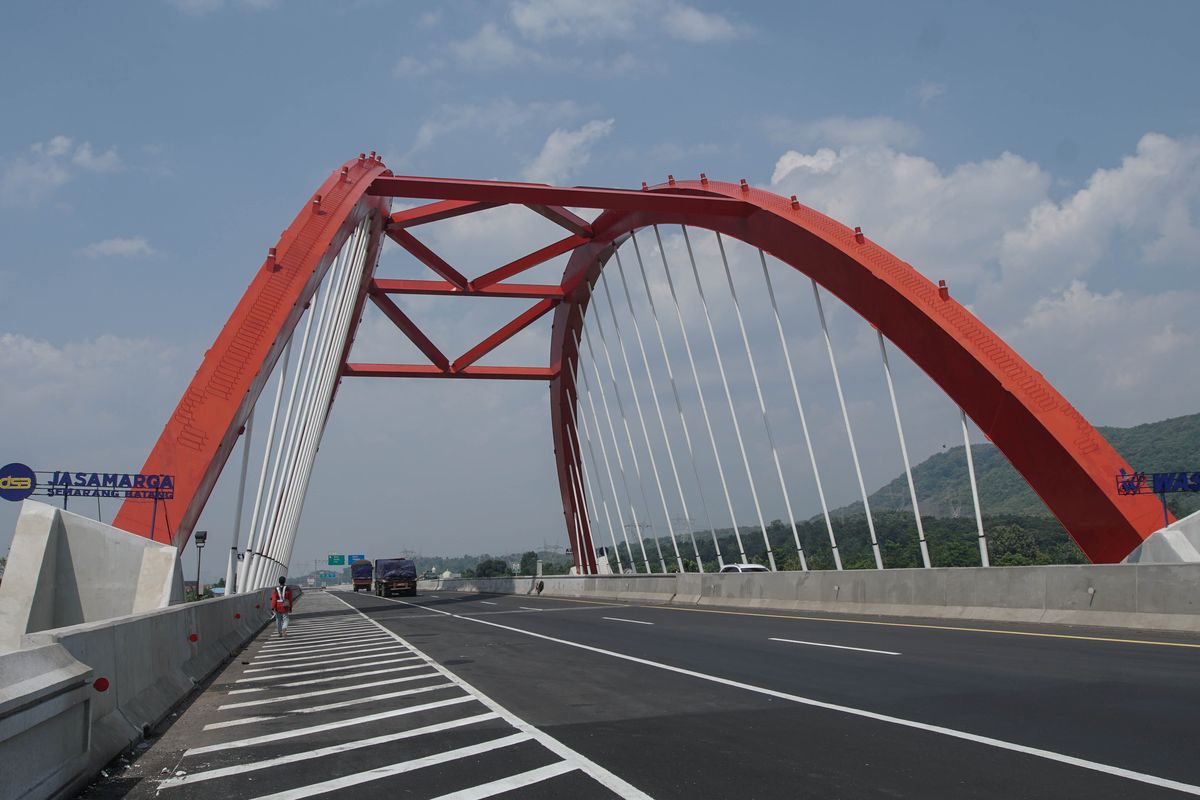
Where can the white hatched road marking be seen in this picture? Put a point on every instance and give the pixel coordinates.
(836, 646)
(395, 769)
(284, 675)
(291, 758)
(508, 784)
(310, 662)
(212, 726)
(327, 726)
(317, 643)
(336, 690)
(634, 621)
(319, 652)
(598, 773)
(488, 603)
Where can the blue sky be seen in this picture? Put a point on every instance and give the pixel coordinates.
(1041, 157)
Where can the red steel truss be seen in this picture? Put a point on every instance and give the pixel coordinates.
(1058, 452)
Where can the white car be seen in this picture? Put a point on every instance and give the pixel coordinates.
(744, 568)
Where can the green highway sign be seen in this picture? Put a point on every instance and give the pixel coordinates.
(337, 559)
(328, 575)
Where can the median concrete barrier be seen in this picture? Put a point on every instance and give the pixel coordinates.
(105, 684)
(1139, 596)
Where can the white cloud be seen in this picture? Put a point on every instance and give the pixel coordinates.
(681, 21)
(499, 117)
(543, 19)
(928, 92)
(125, 247)
(1152, 197)
(198, 8)
(565, 152)
(490, 48)
(839, 131)
(587, 20)
(410, 67)
(32, 177)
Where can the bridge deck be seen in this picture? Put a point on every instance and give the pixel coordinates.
(679, 703)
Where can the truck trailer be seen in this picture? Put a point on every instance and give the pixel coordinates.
(361, 575)
(395, 576)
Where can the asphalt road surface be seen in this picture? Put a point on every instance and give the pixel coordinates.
(472, 696)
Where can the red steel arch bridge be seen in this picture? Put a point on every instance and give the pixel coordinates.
(298, 319)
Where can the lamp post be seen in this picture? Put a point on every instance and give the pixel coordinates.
(201, 537)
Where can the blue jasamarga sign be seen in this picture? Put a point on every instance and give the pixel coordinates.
(17, 481)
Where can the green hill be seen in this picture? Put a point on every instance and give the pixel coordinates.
(943, 489)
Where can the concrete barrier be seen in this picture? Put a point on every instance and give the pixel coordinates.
(60, 723)
(1139, 596)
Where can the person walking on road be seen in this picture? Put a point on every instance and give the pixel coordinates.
(281, 604)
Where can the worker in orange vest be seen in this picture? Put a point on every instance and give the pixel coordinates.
(281, 604)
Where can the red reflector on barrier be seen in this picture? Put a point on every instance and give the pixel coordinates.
(237, 616)
(100, 684)
(193, 637)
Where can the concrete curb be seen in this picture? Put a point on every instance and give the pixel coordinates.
(1162, 597)
(150, 661)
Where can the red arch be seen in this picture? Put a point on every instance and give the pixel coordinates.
(1064, 459)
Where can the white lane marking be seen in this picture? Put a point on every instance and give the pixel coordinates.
(326, 726)
(317, 641)
(313, 652)
(527, 608)
(581, 762)
(1083, 763)
(313, 661)
(508, 784)
(355, 779)
(386, 696)
(212, 726)
(488, 603)
(275, 676)
(335, 690)
(351, 676)
(320, 752)
(634, 621)
(836, 646)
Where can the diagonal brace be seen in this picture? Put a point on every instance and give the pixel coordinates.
(410, 329)
(522, 321)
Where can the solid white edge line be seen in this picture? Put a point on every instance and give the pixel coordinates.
(355, 779)
(237, 769)
(1095, 766)
(502, 785)
(527, 608)
(608, 779)
(634, 621)
(835, 646)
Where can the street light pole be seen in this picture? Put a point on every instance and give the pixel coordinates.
(201, 538)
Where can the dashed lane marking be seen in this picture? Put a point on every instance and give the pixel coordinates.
(634, 621)
(836, 646)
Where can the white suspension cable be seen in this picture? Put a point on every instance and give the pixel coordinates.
(267, 522)
(318, 410)
(637, 527)
(637, 331)
(983, 548)
(578, 534)
(837, 382)
(912, 489)
(604, 453)
(230, 585)
(812, 456)
(592, 454)
(699, 393)
(737, 428)
(762, 406)
(585, 483)
(637, 469)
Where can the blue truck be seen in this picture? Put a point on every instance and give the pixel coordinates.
(361, 575)
(395, 576)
